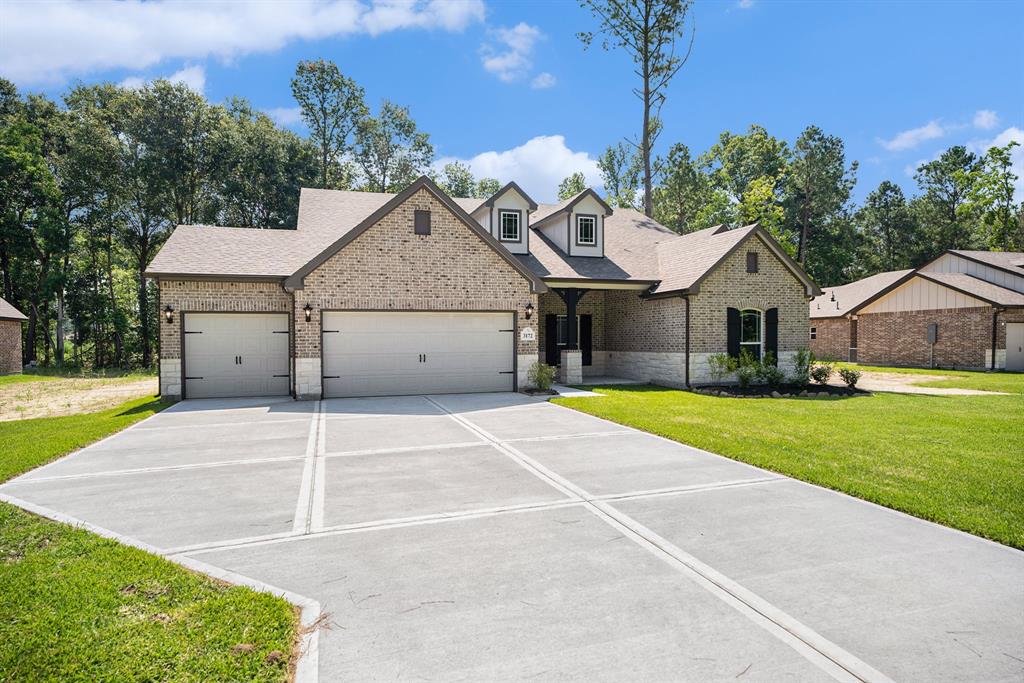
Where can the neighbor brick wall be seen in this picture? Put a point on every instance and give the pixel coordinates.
(901, 338)
(10, 346)
(833, 342)
(731, 286)
(390, 268)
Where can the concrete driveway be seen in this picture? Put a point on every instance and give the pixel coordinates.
(496, 537)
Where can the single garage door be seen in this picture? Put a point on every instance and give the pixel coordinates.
(393, 354)
(236, 354)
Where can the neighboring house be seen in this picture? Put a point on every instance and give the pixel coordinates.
(964, 309)
(380, 294)
(10, 338)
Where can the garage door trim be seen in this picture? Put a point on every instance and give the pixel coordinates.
(515, 333)
(181, 342)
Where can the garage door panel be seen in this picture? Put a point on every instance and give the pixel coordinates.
(244, 354)
(395, 353)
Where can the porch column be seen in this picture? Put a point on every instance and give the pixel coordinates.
(571, 297)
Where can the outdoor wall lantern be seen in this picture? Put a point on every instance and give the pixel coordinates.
(169, 314)
(308, 310)
(529, 310)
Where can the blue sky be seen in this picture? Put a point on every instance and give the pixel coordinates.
(508, 87)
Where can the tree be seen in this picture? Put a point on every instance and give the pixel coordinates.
(457, 180)
(761, 205)
(685, 199)
(889, 228)
(571, 186)
(992, 191)
(648, 30)
(620, 174)
(486, 187)
(949, 216)
(389, 149)
(817, 184)
(735, 161)
(332, 106)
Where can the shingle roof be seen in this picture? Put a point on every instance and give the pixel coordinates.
(973, 286)
(687, 258)
(546, 211)
(850, 296)
(9, 312)
(1007, 260)
(208, 250)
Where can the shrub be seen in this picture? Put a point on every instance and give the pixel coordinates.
(821, 372)
(721, 365)
(803, 360)
(747, 369)
(850, 376)
(768, 371)
(542, 375)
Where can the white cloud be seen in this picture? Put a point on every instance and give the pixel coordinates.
(986, 119)
(285, 116)
(543, 80)
(52, 41)
(514, 58)
(538, 166)
(910, 139)
(192, 76)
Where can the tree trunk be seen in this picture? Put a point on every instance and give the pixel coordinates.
(147, 352)
(59, 347)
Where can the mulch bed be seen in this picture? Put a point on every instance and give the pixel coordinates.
(781, 391)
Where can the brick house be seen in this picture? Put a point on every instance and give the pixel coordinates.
(10, 338)
(419, 292)
(964, 309)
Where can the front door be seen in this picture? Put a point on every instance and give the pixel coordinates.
(1015, 346)
(556, 335)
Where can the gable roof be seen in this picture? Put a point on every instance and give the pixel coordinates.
(546, 211)
(295, 280)
(511, 185)
(1010, 261)
(9, 312)
(854, 295)
(235, 253)
(988, 292)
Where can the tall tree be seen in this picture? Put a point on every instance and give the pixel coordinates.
(685, 199)
(457, 180)
(992, 190)
(818, 184)
(760, 204)
(889, 228)
(332, 106)
(390, 150)
(571, 186)
(620, 175)
(486, 187)
(648, 30)
(735, 161)
(949, 215)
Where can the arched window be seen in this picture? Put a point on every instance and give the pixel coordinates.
(752, 332)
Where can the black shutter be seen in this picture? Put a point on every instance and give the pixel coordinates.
(551, 339)
(771, 332)
(586, 330)
(732, 325)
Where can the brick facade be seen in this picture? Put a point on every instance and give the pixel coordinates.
(832, 340)
(900, 338)
(10, 346)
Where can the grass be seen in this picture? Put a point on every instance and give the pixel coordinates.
(75, 606)
(1008, 382)
(955, 460)
(22, 378)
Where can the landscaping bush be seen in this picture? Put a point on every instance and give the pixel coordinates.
(768, 371)
(721, 365)
(821, 372)
(803, 360)
(850, 376)
(747, 369)
(542, 375)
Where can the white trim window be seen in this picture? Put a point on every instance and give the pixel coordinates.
(752, 332)
(509, 222)
(814, 333)
(586, 231)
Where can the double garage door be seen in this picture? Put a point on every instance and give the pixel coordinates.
(364, 353)
(392, 353)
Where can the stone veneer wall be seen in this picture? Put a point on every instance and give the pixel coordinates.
(646, 338)
(10, 346)
(389, 267)
(208, 297)
(964, 337)
(833, 338)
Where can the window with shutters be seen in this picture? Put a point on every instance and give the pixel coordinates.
(563, 330)
(752, 332)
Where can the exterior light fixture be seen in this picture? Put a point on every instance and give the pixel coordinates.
(308, 310)
(169, 314)
(833, 296)
(529, 310)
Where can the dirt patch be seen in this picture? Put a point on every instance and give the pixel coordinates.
(905, 383)
(70, 396)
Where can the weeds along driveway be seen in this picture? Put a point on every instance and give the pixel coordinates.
(496, 537)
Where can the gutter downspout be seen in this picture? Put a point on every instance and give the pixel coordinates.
(995, 328)
(686, 298)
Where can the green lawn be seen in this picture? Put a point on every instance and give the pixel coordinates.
(955, 460)
(75, 606)
(21, 378)
(1009, 382)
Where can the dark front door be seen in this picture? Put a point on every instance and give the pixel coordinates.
(555, 338)
(551, 356)
(586, 334)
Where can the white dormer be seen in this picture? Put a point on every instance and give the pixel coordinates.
(506, 215)
(577, 224)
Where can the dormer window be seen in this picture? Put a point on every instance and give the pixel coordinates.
(586, 231)
(509, 222)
